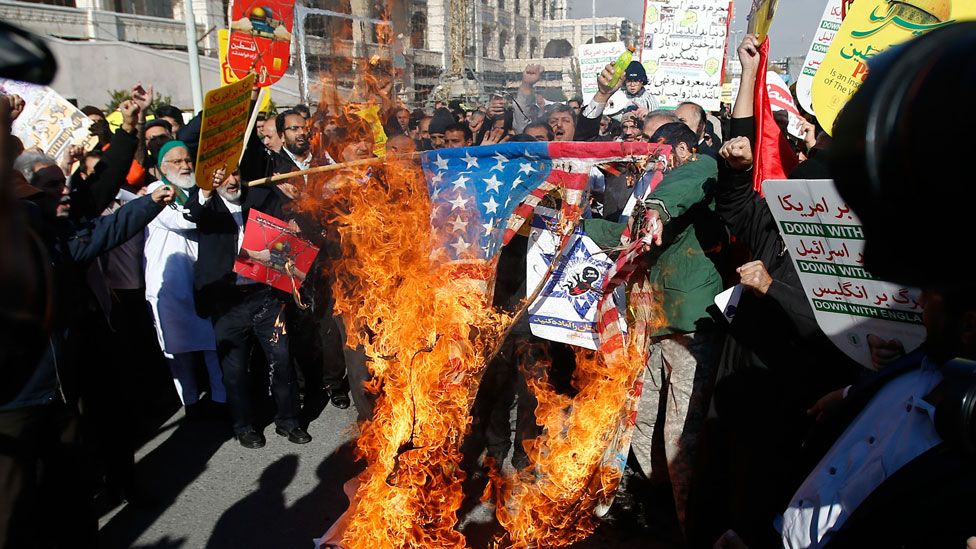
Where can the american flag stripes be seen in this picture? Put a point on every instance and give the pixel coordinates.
(482, 195)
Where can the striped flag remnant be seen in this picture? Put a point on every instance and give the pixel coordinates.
(481, 196)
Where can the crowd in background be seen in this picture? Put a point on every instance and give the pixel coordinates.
(133, 246)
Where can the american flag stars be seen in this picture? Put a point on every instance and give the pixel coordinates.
(474, 190)
(493, 184)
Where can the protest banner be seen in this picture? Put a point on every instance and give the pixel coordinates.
(826, 30)
(49, 122)
(780, 99)
(273, 254)
(227, 75)
(761, 18)
(565, 310)
(871, 27)
(370, 113)
(683, 50)
(223, 129)
(592, 59)
(260, 39)
(826, 243)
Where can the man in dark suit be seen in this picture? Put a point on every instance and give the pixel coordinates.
(316, 343)
(296, 149)
(243, 311)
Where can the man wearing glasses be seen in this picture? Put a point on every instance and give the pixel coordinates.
(295, 153)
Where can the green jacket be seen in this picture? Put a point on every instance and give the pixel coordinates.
(685, 280)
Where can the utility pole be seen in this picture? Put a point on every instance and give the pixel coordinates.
(479, 44)
(193, 55)
(593, 17)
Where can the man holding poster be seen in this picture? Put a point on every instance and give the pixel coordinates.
(889, 462)
(245, 313)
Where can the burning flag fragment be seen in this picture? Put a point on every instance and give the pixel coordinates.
(419, 247)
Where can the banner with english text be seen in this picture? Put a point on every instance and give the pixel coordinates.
(827, 28)
(826, 243)
(592, 58)
(869, 28)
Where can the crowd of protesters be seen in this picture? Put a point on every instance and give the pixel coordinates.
(128, 242)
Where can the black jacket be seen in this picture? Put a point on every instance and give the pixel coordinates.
(68, 249)
(927, 503)
(214, 280)
(775, 325)
(90, 197)
(257, 161)
(588, 129)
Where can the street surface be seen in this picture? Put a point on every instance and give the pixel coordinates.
(206, 491)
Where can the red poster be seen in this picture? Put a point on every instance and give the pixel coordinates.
(260, 38)
(273, 254)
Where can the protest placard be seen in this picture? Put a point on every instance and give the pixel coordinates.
(260, 39)
(822, 38)
(780, 99)
(826, 243)
(565, 310)
(761, 18)
(227, 75)
(683, 50)
(49, 122)
(273, 254)
(592, 59)
(223, 129)
(871, 27)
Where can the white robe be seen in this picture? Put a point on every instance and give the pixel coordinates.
(170, 252)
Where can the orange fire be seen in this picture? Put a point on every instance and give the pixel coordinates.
(426, 332)
(427, 329)
(577, 461)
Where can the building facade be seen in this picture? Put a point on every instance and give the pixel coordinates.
(497, 39)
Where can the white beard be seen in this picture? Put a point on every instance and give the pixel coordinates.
(185, 182)
(232, 197)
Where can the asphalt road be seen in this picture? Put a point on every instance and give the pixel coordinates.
(206, 491)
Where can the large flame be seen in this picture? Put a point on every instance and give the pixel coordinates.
(427, 330)
(576, 461)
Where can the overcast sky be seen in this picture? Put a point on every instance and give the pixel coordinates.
(791, 33)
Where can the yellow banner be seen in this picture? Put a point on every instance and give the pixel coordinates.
(371, 114)
(227, 75)
(222, 130)
(871, 27)
(761, 18)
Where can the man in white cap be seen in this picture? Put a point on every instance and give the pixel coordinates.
(170, 252)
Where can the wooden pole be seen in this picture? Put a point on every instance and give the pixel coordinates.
(329, 168)
(524, 308)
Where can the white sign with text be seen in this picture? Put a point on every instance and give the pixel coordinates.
(592, 59)
(822, 37)
(826, 242)
(683, 50)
